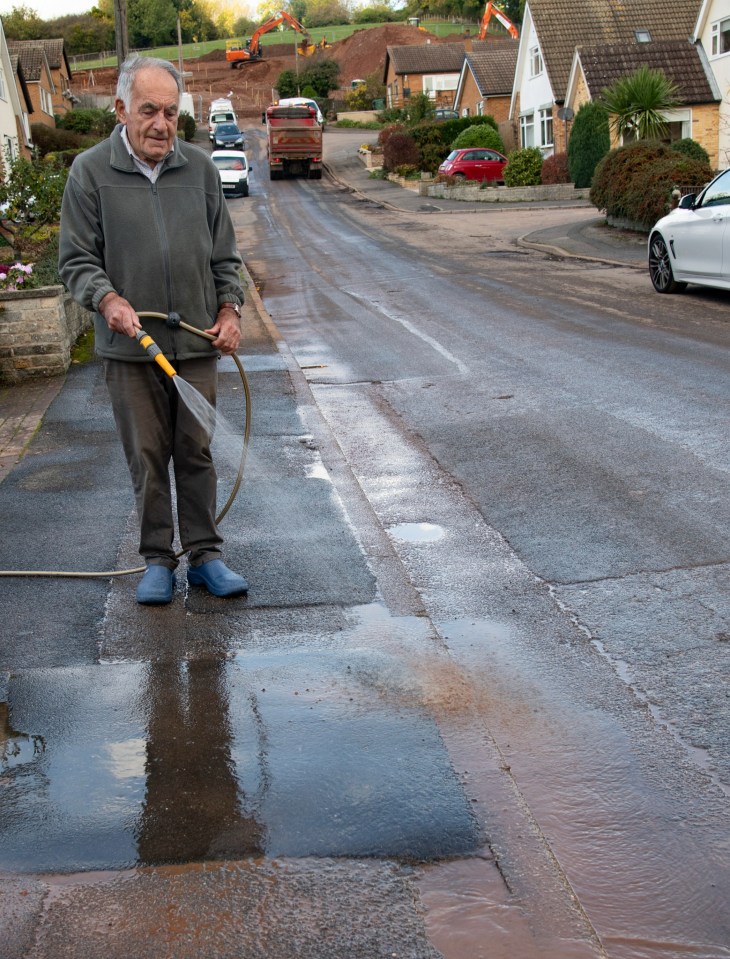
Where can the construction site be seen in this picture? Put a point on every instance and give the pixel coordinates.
(250, 87)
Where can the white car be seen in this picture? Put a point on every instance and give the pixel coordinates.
(233, 168)
(692, 243)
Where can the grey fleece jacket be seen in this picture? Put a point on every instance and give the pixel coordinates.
(167, 246)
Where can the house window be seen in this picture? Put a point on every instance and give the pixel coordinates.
(439, 83)
(545, 116)
(2, 85)
(720, 37)
(46, 102)
(535, 61)
(527, 130)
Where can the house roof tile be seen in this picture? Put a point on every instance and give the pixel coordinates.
(494, 70)
(427, 58)
(679, 59)
(562, 25)
(32, 58)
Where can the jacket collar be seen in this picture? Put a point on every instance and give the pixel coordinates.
(121, 159)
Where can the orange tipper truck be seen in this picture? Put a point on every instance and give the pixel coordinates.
(294, 141)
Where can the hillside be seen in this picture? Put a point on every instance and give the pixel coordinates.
(358, 55)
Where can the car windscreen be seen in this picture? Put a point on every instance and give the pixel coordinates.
(230, 163)
(227, 129)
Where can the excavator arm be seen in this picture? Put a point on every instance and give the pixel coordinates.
(491, 10)
(237, 54)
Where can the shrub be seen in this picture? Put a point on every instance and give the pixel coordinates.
(555, 169)
(523, 167)
(635, 182)
(589, 142)
(400, 149)
(691, 148)
(49, 140)
(479, 135)
(187, 126)
(387, 132)
(86, 120)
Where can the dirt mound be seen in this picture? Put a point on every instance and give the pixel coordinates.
(219, 54)
(250, 86)
(363, 52)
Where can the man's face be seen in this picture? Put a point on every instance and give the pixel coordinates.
(151, 120)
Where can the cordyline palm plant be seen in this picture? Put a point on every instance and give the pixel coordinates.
(636, 103)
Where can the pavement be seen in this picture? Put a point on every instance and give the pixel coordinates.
(574, 235)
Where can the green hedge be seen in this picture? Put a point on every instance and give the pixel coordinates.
(635, 182)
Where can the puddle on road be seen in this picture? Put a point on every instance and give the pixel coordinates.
(290, 752)
(417, 532)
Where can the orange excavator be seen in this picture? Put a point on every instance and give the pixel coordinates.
(240, 52)
(492, 10)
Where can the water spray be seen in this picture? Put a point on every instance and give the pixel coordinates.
(147, 343)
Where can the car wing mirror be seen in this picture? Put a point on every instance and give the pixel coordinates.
(687, 201)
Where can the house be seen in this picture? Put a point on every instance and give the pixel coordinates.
(34, 64)
(430, 68)
(60, 72)
(15, 105)
(684, 63)
(712, 31)
(551, 31)
(486, 81)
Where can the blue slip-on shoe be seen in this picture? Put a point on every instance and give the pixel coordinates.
(217, 578)
(156, 586)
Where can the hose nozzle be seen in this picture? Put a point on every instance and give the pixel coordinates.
(147, 343)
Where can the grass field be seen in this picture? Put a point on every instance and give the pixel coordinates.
(331, 34)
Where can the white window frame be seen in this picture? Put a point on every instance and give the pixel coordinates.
(718, 36)
(527, 130)
(433, 83)
(46, 102)
(3, 95)
(535, 58)
(545, 122)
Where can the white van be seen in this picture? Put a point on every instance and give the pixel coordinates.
(302, 102)
(220, 111)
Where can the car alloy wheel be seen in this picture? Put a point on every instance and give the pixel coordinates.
(660, 269)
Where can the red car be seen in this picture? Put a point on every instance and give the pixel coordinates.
(474, 163)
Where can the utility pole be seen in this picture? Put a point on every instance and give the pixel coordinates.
(121, 33)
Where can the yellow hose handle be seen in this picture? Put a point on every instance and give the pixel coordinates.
(147, 343)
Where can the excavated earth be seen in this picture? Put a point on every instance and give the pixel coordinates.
(250, 87)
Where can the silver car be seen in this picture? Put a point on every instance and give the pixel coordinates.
(692, 243)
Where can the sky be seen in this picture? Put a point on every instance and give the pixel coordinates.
(48, 9)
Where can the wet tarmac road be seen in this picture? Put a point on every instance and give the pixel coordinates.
(406, 741)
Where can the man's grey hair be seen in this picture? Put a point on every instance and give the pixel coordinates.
(134, 65)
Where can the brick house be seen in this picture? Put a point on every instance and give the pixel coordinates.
(430, 68)
(551, 31)
(485, 84)
(37, 72)
(60, 72)
(712, 30)
(684, 64)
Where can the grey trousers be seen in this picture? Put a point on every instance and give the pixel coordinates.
(157, 428)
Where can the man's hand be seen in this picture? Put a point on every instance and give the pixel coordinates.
(119, 315)
(226, 330)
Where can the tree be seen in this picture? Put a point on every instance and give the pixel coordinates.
(637, 103)
(322, 13)
(589, 142)
(30, 198)
(23, 23)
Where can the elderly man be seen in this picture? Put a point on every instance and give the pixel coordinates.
(145, 227)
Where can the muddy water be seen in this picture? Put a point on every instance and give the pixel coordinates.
(642, 844)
